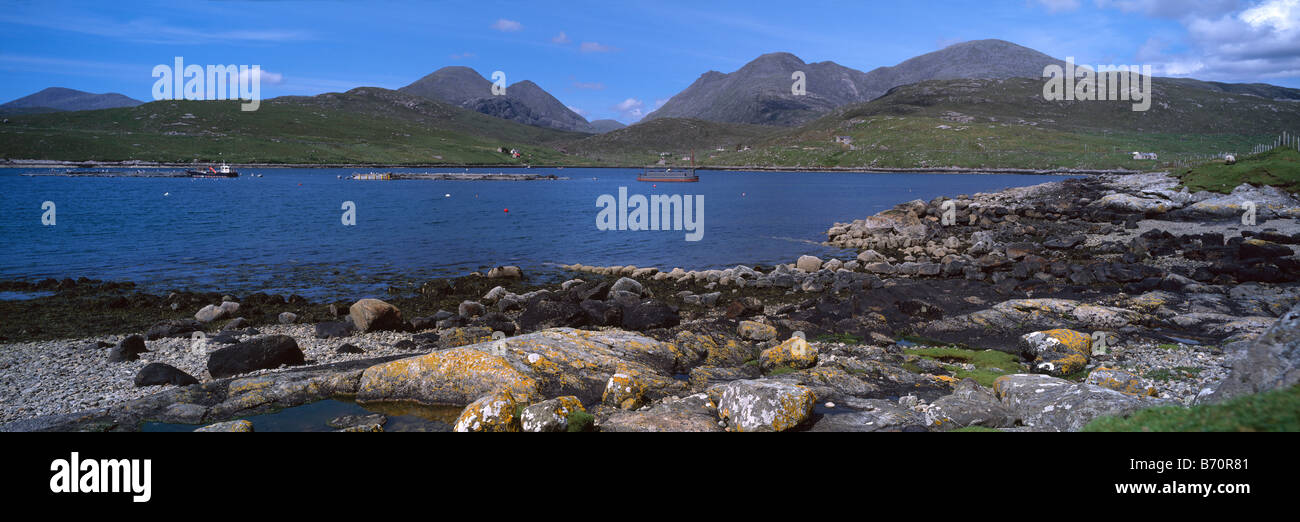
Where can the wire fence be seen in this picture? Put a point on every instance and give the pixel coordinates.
(1285, 140)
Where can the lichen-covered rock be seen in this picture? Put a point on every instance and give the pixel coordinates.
(533, 367)
(764, 406)
(794, 353)
(625, 389)
(464, 336)
(550, 415)
(1057, 352)
(369, 315)
(492, 413)
(756, 331)
(1121, 381)
(969, 405)
(1045, 403)
(455, 376)
(236, 426)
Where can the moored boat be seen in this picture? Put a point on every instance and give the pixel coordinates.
(224, 171)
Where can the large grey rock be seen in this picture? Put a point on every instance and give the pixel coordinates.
(210, 313)
(626, 284)
(694, 413)
(765, 406)
(872, 415)
(969, 405)
(1045, 403)
(1269, 362)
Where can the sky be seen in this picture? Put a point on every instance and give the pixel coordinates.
(613, 60)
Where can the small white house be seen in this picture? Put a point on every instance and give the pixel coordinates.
(1145, 156)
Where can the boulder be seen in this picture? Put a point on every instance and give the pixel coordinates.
(1271, 361)
(808, 263)
(695, 413)
(551, 415)
(469, 309)
(154, 374)
(369, 315)
(505, 272)
(756, 331)
(764, 406)
(1057, 352)
(650, 315)
(210, 313)
(129, 349)
(794, 353)
(868, 415)
(262, 353)
(969, 405)
(626, 284)
(1045, 403)
(494, 412)
(173, 328)
(288, 318)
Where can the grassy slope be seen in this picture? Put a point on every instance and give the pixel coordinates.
(1277, 410)
(961, 123)
(1279, 168)
(365, 125)
(1007, 123)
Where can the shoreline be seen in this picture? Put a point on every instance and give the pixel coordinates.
(1178, 302)
(38, 164)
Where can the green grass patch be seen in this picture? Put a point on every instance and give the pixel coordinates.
(1169, 346)
(581, 421)
(1277, 410)
(1177, 373)
(1279, 168)
(989, 364)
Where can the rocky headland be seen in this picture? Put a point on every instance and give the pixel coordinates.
(1032, 309)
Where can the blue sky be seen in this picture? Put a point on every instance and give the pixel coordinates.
(614, 59)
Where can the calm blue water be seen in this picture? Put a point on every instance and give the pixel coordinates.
(282, 233)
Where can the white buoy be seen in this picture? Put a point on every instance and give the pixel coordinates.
(167, 193)
(446, 195)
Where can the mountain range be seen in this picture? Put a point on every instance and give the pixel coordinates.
(62, 99)
(524, 102)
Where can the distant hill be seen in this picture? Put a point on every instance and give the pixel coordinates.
(61, 99)
(760, 92)
(603, 126)
(524, 102)
(363, 125)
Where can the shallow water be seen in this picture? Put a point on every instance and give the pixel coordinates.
(283, 232)
(316, 416)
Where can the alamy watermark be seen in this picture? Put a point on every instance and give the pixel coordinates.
(656, 212)
(215, 82)
(1104, 83)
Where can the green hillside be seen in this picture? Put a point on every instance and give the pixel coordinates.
(364, 125)
(1007, 123)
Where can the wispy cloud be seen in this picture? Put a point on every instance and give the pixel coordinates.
(594, 47)
(561, 38)
(147, 30)
(589, 86)
(631, 109)
(508, 26)
(463, 56)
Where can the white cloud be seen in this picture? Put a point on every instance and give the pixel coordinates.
(595, 47)
(578, 111)
(264, 77)
(508, 26)
(1226, 40)
(561, 38)
(630, 109)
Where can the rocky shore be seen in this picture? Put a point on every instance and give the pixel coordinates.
(1031, 309)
